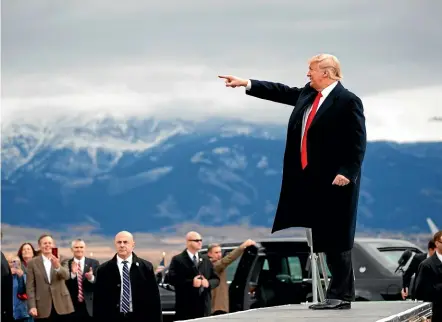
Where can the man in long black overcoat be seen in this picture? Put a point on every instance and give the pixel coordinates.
(325, 148)
(194, 278)
(125, 287)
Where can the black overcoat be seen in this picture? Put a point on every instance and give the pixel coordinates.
(336, 144)
(144, 290)
(428, 285)
(191, 302)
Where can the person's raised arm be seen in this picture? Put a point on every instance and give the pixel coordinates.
(275, 92)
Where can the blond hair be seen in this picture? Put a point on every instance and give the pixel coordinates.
(330, 64)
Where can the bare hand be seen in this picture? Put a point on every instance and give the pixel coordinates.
(33, 312)
(74, 267)
(340, 180)
(55, 262)
(233, 81)
(89, 274)
(197, 281)
(248, 243)
(19, 272)
(404, 293)
(205, 282)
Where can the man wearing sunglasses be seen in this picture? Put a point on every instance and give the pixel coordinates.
(194, 278)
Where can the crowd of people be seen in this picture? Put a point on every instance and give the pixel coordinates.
(38, 286)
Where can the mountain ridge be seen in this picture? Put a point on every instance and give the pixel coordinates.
(158, 173)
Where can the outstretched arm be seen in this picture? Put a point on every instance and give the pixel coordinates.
(270, 91)
(275, 92)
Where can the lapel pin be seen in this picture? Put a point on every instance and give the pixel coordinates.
(137, 264)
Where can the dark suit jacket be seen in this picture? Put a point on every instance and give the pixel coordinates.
(412, 270)
(146, 303)
(6, 287)
(336, 144)
(191, 302)
(88, 287)
(428, 285)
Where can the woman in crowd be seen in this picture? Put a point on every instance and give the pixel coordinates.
(26, 252)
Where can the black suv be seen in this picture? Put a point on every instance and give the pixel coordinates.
(277, 272)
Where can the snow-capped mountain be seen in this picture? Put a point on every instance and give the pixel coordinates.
(147, 174)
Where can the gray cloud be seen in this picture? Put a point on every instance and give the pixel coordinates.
(392, 41)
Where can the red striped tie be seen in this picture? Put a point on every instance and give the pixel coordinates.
(80, 284)
(307, 125)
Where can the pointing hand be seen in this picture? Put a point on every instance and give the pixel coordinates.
(233, 81)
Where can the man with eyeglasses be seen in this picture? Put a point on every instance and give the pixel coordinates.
(429, 279)
(194, 278)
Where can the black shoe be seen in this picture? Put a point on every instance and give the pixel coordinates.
(331, 304)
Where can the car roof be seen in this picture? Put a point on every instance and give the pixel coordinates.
(379, 242)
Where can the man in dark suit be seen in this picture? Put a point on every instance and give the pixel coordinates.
(125, 286)
(6, 287)
(193, 277)
(326, 142)
(82, 271)
(428, 285)
(412, 269)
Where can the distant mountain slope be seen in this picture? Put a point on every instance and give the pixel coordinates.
(149, 174)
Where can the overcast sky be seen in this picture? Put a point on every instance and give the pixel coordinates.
(147, 58)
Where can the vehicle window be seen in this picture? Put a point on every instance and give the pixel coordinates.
(295, 268)
(388, 257)
(265, 265)
(391, 258)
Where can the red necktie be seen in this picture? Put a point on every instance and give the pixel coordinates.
(80, 284)
(307, 125)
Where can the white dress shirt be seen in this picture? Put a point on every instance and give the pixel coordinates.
(48, 267)
(120, 268)
(191, 255)
(325, 92)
